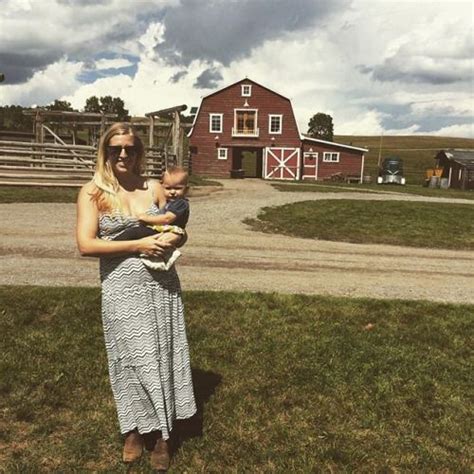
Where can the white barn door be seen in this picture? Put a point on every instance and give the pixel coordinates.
(281, 163)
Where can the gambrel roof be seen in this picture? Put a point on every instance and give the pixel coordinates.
(246, 80)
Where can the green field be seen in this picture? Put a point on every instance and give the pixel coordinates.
(10, 194)
(283, 384)
(416, 189)
(413, 224)
(417, 152)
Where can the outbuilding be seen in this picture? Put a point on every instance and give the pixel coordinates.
(458, 167)
(246, 129)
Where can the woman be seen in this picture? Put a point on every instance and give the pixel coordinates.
(142, 310)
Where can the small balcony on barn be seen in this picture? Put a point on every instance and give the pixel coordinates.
(245, 123)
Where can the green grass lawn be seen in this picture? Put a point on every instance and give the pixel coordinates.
(326, 187)
(413, 224)
(10, 194)
(283, 384)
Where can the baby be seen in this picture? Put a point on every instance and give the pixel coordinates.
(172, 219)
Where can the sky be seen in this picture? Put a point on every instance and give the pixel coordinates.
(393, 67)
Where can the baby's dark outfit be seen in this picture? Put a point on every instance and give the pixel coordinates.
(179, 207)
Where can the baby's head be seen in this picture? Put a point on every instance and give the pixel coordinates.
(175, 183)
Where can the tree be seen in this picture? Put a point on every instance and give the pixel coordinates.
(63, 105)
(320, 126)
(12, 118)
(92, 105)
(107, 105)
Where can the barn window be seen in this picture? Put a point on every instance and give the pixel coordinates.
(331, 157)
(222, 153)
(274, 123)
(215, 123)
(245, 123)
(246, 90)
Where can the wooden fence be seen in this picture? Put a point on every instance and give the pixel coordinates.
(48, 164)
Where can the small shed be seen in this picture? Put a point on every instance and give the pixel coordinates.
(458, 167)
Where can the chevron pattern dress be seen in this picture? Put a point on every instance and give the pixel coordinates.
(145, 338)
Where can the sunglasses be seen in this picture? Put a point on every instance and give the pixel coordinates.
(114, 151)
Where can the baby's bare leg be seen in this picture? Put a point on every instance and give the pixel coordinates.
(174, 239)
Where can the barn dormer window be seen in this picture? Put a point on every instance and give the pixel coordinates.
(245, 123)
(215, 123)
(275, 123)
(246, 90)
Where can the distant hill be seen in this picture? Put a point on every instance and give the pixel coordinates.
(417, 152)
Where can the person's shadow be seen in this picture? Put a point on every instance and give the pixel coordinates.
(205, 384)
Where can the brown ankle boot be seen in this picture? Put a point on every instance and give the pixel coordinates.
(133, 446)
(160, 456)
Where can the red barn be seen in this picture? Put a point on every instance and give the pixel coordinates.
(248, 129)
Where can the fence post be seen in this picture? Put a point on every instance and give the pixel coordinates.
(151, 132)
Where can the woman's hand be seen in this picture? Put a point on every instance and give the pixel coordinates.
(153, 246)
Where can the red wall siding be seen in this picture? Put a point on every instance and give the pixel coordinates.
(350, 161)
(204, 160)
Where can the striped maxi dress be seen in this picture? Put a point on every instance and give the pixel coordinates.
(145, 338)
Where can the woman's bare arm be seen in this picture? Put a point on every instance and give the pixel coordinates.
(88, 228)
(158, 193)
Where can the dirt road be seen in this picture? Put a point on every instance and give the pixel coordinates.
(37, 247)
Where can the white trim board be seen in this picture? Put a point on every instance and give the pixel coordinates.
(325, 142)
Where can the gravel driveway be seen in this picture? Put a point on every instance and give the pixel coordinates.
(37, 247)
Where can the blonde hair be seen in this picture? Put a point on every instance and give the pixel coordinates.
(105, 195)
(176, 171)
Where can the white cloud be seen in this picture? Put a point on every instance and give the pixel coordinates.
(437, 50)
(83, 30)
(365, 123)
(116, 86)
(150, 89)
(118, 63)
(57, 80)
(317, 68)
(465, 130)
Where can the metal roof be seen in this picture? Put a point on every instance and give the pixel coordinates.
(464, 157)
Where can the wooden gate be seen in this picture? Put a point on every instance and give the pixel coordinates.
(281, 163)
(50, 164)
